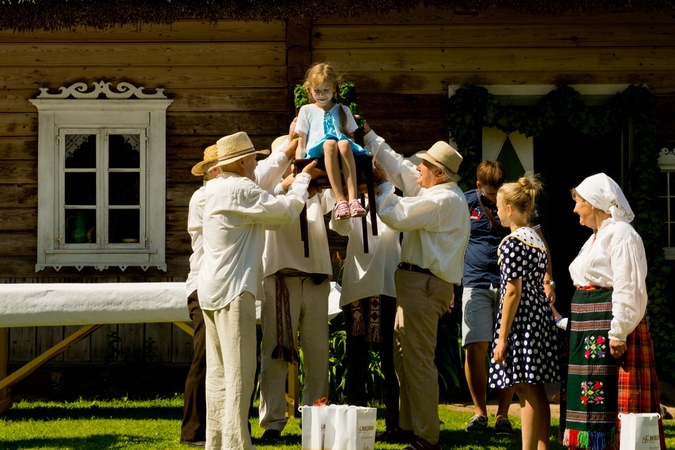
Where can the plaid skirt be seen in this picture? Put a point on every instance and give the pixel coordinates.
(598, 386)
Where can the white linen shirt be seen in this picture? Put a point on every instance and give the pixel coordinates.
(368, 274)
(267, 172)
(194, 228)
(285, 250)
(436, 220)
(236, 213)
(615, 257)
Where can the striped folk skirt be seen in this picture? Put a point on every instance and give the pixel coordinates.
(598, 386)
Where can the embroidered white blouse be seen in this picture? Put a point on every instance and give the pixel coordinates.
(615, 257)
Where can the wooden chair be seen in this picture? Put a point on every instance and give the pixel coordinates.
(364, 175)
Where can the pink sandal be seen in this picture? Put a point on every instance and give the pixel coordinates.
(356, 209)
(341, 210)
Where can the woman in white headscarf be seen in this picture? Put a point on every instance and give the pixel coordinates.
(611, 363)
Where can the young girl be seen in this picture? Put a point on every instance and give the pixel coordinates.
(525, 346)
(321, 127)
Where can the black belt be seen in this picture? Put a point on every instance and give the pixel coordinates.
(414, 268)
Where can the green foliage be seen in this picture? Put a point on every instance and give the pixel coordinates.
(473, 108)
(300, 96)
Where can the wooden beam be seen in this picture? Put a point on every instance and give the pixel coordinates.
(298, 54)
(185, 327)
(56, 350)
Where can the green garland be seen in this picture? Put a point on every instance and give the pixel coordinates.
(472, 108)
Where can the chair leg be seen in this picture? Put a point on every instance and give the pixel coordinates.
(364, 226)
(304, 235)
(371, 199)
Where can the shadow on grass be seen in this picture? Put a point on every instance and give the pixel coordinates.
(489, 439)
(99, 442)
(92, 412)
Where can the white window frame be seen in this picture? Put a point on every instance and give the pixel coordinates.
(125, 110)
(667, 164)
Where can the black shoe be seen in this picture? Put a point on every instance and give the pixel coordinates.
(503, 426)
(477, 423)
(396, 435)
(193, 443)
(270, 434)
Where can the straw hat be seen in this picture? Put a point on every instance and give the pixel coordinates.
(442, 155)
(210, 155)
(280, 143)
(234, 147)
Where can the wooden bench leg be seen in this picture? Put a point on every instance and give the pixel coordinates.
(185, 327)
(5, 400)
(56, 350)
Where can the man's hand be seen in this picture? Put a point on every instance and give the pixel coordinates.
(379, 175)
(291, 129)
(312, 170)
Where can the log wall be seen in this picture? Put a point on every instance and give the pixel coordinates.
(232, 76)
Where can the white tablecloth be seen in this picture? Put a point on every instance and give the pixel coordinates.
(35, 304)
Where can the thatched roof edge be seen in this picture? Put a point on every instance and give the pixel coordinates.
(26, 15)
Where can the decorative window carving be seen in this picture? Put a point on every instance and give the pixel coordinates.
(101, 177)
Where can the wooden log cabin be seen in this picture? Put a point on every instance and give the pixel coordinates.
(218, 69)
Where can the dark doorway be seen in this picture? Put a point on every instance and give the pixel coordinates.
(563, 156)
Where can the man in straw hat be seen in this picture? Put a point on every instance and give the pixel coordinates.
(435, 220)
(236, 213)
(193, 427)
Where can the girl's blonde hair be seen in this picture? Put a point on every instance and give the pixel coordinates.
(522, 193)
(315, 76)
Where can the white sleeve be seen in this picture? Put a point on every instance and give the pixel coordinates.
(401, 172)
(270, 170)
(629, 294)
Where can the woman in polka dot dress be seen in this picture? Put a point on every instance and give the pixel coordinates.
(525, 347)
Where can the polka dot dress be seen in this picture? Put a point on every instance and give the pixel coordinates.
(533, 346)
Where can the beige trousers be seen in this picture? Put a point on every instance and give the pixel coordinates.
(309, 315)
(230, 373)
(421, 300)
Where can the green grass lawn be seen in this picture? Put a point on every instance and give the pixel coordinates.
(155, 424)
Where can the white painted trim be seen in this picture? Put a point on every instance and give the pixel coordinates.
(78, 110)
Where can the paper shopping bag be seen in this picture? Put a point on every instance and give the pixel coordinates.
(313, 426)
(350, 428)
(640, 431)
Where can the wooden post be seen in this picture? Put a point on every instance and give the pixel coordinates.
(5, 400)
(298, 55)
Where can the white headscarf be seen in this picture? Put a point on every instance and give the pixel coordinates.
(603, 193)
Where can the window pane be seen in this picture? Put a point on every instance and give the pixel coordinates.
(124, 188)
(80, 226)
(80, 151)
(124, 226)
(663, 183)
(124, 151)
(80, 188)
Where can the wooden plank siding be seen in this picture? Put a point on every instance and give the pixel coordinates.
(222, 77)
(233, 76)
